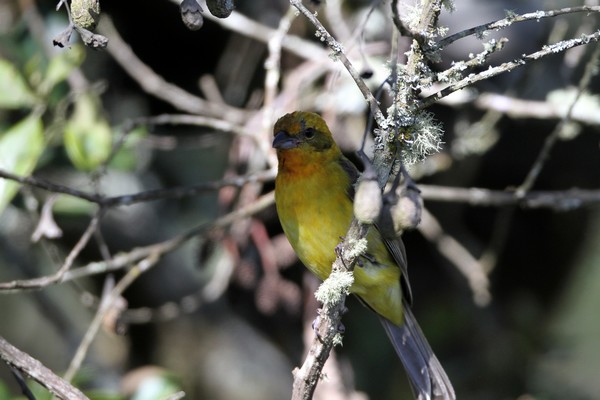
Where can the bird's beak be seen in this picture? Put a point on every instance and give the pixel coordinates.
(284, 141)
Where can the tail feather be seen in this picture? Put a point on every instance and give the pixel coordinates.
(426, 375)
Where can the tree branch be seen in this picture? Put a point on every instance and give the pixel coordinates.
(338, 53)
(509, 66)
(506, 22)
(156, 85)
(520, 108)
(123, 260)
(560, 200)
(38, 372)
(464, 261)
(105, 306)
(57, 277)
(590, 70)
(148, 195)
(333, 295)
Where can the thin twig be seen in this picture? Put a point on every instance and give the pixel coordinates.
(509, 66)
(506, 22)
(156, 85)
(217, 124)
(122, 260)
(22, 384)
(149, 195)
(403, 30)
(520, 108)
(37, 283)
(338, 52)
(336, 20)
(272, 76)
(239, 23)
(590, 70)
(142, 266)
(559, 200)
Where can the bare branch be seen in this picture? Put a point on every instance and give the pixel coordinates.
(217, 124)
(404, 31)
(506, 22)
(149, 195)
(156, 85)
(509, 66)
(106, 305)
(57, 277)
(38, 372)
(338, 52)
(272, 77)
(560, 200)
(123, 260)
(464, 261)
(590, 70)
(327, 326)
(185, 191)
(519, 108)
(239, 23)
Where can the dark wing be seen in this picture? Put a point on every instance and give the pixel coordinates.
(352, 172)
(397, 250)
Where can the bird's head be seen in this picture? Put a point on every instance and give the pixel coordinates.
(303, 132)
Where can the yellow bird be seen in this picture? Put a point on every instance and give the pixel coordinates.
(314, 191)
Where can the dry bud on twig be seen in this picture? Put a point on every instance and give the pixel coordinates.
(220, 8)
(191, 14)
(367, 201)
(401, 211)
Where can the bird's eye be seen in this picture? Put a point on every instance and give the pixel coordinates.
(309, 133)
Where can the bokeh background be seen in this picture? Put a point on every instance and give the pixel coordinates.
(227, 314)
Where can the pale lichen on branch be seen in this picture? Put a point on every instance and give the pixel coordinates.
(509, 66)
(511, 19)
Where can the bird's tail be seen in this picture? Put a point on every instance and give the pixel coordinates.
(427, 377)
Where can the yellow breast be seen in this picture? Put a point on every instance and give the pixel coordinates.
(315, 214)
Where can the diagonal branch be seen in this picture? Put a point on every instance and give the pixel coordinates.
(38, 372)
(338, 53)
(67, 264)
(509, 66)
(156, 85)
(505, 22)
(123, 260)
(590, 70)
(107, 304)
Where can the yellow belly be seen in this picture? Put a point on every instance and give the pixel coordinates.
(315, 217)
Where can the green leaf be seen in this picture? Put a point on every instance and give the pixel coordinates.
(87, 135)
(60, 67)
(129, 155)
(14, 92)
(20, 149)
